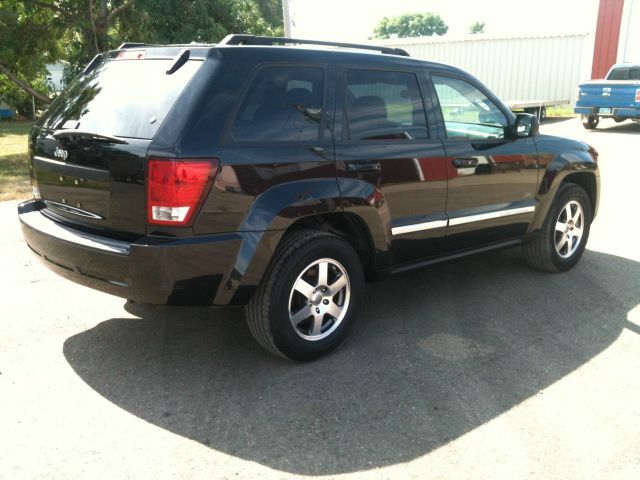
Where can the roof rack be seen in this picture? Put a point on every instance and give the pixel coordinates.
(236, 39)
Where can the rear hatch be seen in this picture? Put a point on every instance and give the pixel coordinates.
(88, 152)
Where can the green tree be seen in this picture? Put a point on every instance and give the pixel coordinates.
(272, 13)
(411, 25)
(177, 21)
(476, 27)
(28, 40)
(34, 33)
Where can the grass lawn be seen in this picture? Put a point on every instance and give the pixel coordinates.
(560, 111)
(14, 167)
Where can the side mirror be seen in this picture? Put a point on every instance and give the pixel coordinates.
(526, 125)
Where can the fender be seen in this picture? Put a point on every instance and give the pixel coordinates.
(576, 157)
(275, 210)
(367, 202)
(262, 228)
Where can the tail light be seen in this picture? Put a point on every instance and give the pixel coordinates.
(177, 188)
(638, 95)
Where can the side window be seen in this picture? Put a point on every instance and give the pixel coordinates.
(283, 104)
(467, 112)
(384, 105)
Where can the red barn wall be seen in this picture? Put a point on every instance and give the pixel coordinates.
(605, 50)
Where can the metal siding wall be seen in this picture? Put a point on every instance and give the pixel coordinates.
(629, 46)
(527, 68)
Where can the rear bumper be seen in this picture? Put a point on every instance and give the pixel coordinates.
(154, 270)
(632, 113)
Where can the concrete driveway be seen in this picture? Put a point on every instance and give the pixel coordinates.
(480, 368)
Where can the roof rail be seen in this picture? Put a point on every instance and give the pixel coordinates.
(238, 39)
(131, 45)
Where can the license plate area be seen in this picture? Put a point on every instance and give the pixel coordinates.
(72, 189)
(604, 111)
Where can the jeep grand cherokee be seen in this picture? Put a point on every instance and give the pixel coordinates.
(280, 174)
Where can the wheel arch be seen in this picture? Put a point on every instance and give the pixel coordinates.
(316, 205)
(348, 226)
(587, 181)
(578, 167)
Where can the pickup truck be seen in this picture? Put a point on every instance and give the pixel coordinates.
(617, 96)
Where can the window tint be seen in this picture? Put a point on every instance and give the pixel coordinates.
(624, 73)
(283, 104)
(383, 105)
(467, 112)
(127, 98)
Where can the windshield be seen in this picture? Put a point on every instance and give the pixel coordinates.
(125, 98)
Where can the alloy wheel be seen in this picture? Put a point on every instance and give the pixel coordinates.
(569, 229)
(319, 299)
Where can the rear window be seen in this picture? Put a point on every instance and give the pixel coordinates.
(126, 98)
(624, 73)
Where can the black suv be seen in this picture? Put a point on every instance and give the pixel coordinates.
(266, 173)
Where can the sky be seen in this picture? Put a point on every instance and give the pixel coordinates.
(354, 20)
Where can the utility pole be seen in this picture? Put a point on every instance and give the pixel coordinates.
(286, 17)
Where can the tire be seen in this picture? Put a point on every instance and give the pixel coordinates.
(324, 314)
(547, 251)
(590, 122)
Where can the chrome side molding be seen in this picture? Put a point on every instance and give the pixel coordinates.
(418, 227)
(490, 215)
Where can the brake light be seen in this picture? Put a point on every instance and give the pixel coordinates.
(177, 188)
(131, 55)
(638, 95)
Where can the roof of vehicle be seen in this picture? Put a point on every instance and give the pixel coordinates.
(625, 65)
(272, 48)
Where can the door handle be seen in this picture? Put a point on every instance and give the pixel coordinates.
(465, 162)
(358, 167)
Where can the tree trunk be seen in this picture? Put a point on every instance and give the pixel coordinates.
(102, 26)
(101, 19)
(23, 85)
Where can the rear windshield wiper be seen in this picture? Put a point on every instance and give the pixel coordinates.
(73, 133)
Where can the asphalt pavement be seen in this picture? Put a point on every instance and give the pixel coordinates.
(475, 369)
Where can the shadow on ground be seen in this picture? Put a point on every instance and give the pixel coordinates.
(552, 120)
(436, 353)
(609, 126)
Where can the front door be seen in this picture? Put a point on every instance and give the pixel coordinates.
(492, 178)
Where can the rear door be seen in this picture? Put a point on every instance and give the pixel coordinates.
(386, 153)
(492, 179)
(278, 147)
(93, 175)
